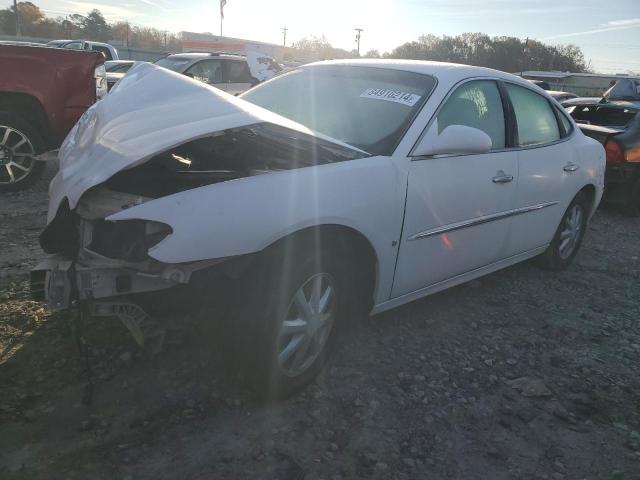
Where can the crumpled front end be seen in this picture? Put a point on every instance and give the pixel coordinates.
(105, 265)
(152, 195)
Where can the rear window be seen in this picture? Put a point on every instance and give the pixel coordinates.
(604, 116)
(175, 64)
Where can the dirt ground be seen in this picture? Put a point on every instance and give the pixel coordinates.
(522, 374)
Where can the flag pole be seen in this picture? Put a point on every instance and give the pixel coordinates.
(222, 4)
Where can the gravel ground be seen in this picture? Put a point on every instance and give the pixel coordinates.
(522, 374)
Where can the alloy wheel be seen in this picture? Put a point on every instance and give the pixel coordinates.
(570, 234)
(307, 325)
(16, 155)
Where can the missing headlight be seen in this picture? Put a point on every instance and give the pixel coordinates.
(127, 240)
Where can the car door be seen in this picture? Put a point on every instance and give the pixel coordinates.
(208, 71)
(457, 208)
(548, 176)
(236, 76)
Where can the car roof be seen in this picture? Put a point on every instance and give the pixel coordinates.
(199, 55)
(447, 72)
(61, 41)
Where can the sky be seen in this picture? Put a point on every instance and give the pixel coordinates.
(607, 32)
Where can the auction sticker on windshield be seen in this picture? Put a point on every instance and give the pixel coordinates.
(408, 99)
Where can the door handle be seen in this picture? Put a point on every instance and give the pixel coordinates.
(502, 177)
(571, 167)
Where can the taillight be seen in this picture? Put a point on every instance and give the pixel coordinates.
(632, 155)
(614, 152)
(100, 76)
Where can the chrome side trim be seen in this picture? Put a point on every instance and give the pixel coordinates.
(479, 221)
(457, 280)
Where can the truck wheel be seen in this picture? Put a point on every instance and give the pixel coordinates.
(568, 238)
(300, 298)
(19, 143)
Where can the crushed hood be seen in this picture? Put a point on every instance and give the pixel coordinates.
(149, 111)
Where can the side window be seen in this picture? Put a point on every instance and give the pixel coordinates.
(536, 121)
(476, 104)
(237, 72)
(103, 50)
(208, 71)
(74, 46)
(565, 124)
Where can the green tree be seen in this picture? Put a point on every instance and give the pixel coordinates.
(30, 17)
(314, 48)
(95, 27)
(509, 54)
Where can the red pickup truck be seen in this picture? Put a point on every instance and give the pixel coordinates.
(43, 93)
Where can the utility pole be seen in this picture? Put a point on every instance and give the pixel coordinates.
(284, 38)
(358, 34)
(127, 41)
(17, 14)
(525, 51)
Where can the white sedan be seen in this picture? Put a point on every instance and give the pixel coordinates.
(336, 189)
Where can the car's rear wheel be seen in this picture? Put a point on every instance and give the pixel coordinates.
(299, 296)
(19, 144)
(568, 237)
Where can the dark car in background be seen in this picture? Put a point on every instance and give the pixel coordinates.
(614, 120)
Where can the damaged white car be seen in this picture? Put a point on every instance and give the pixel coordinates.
(337, 188)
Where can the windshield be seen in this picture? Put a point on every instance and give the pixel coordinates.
(369, 108)
(176, 64)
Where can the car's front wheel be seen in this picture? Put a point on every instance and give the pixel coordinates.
(568, 237)
(300, 295)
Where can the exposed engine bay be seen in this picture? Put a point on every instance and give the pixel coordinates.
(98, 260)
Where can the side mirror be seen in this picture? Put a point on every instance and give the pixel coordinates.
(454, 140)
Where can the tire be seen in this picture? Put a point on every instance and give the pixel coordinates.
(19, 142)
(282, 283)
(559, 255)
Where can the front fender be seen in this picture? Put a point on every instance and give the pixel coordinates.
(246, 215)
